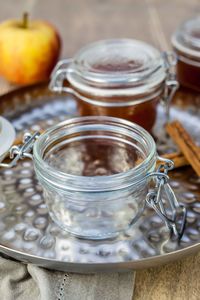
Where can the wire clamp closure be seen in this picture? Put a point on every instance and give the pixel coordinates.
(169, 209)
(18, 152)
(171, 83)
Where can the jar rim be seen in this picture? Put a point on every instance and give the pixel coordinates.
(109, 64)
(97, 183)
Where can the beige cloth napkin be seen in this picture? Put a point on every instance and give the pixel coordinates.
(29, 282)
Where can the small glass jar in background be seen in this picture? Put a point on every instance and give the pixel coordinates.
(119, 78)
(186, 43)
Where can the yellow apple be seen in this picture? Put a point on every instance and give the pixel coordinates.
(28, 50)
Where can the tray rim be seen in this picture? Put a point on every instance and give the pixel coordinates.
(89, 267)
(99, 267)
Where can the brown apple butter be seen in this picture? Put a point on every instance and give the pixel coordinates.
(143, 113)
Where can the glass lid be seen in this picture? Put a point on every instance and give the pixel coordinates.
(7, 137)
(187, 37)
(115, 62)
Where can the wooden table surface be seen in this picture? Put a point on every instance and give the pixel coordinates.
(80, 22)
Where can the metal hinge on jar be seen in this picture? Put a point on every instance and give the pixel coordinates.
(171, 83)
(169, 210)
(18, 152)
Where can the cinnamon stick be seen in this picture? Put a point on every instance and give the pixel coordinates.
(185, 143)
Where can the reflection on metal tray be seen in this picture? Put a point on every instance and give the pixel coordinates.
(27, 233)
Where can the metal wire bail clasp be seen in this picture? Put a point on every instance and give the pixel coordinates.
(169, 209)
(171, 83)
(22, 151)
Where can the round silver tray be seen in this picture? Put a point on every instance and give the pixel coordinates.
(26, 232)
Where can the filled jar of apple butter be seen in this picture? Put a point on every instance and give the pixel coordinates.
(186, 43)
(121, 78)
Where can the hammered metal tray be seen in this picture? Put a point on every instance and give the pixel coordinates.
(26, 232)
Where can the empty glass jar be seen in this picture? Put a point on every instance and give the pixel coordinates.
(93, 171)
(95, 174)
(186, 43)
(119, 78)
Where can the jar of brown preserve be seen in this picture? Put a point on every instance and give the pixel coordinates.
(186, 43)
(121, 78)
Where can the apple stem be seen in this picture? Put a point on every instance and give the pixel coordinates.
(25, 20)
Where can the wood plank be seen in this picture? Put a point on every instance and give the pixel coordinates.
(178, 280)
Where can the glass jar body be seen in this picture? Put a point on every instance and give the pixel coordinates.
(95, 206)
(96, 215)
(95, 174)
